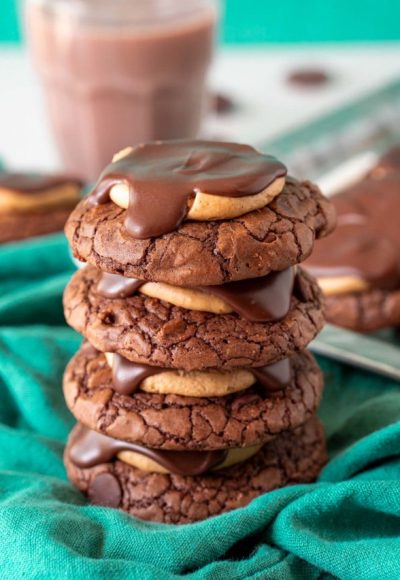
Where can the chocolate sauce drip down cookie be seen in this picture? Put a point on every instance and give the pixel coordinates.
(218, 236)
(193, 392)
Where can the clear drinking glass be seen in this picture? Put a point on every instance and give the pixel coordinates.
(120, 72)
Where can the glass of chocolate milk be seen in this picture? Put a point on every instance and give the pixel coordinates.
(120, 72)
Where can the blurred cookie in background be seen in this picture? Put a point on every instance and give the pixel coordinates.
(388, 163)
(358, 268)
(33, 204)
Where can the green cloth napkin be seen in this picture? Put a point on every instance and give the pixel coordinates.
(346, 525)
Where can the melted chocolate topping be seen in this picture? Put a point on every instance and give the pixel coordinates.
(274, 377)
(163, 176)
(259, 299)
(366, 242)
(115, 286)
(29, 183)
(128, 375)
(90, 448)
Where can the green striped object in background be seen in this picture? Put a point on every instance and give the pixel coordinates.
(256, 21)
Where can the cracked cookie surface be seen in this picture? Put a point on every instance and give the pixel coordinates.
(153, 332)
(272, 238)
(294, 457)
(365, 311)
(175, 422)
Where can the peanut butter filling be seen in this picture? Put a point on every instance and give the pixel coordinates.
(204, 206)
(20, 202)
(210, 383)
(144, 463)
(260, 300)
(337, 286)
(189, 298)
(207, 207)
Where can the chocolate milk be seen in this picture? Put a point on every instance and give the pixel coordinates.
(120, 72)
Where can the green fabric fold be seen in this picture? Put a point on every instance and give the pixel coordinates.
(346, 525)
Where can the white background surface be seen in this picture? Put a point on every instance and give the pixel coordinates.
(255, 78)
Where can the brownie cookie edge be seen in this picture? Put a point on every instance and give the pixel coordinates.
(295, 457)
(206, 253)
(243, 419)
(150, 331)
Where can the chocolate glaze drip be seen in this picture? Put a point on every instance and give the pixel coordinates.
(128, 375)
(115, 286)
(90, 448)
(163, 176)
(274, 377)
(366, 242)
(34, 183)
(259, 300)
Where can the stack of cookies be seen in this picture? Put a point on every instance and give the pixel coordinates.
(358, 268)
(193, 391)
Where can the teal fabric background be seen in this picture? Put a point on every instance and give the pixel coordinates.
(346, 525)
(257, 21)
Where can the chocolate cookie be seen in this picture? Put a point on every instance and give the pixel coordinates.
(154, 332)
(20, 226)
(205, 253)
(358, 268)
(388, 163)
(35, 204)
(364, 312)
(242, 419)
(293, 457)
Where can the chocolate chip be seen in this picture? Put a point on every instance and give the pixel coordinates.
(291, 457)
(223, 104)
(105, 490)
(308, 77)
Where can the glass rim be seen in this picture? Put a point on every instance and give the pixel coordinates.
(127, 12)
